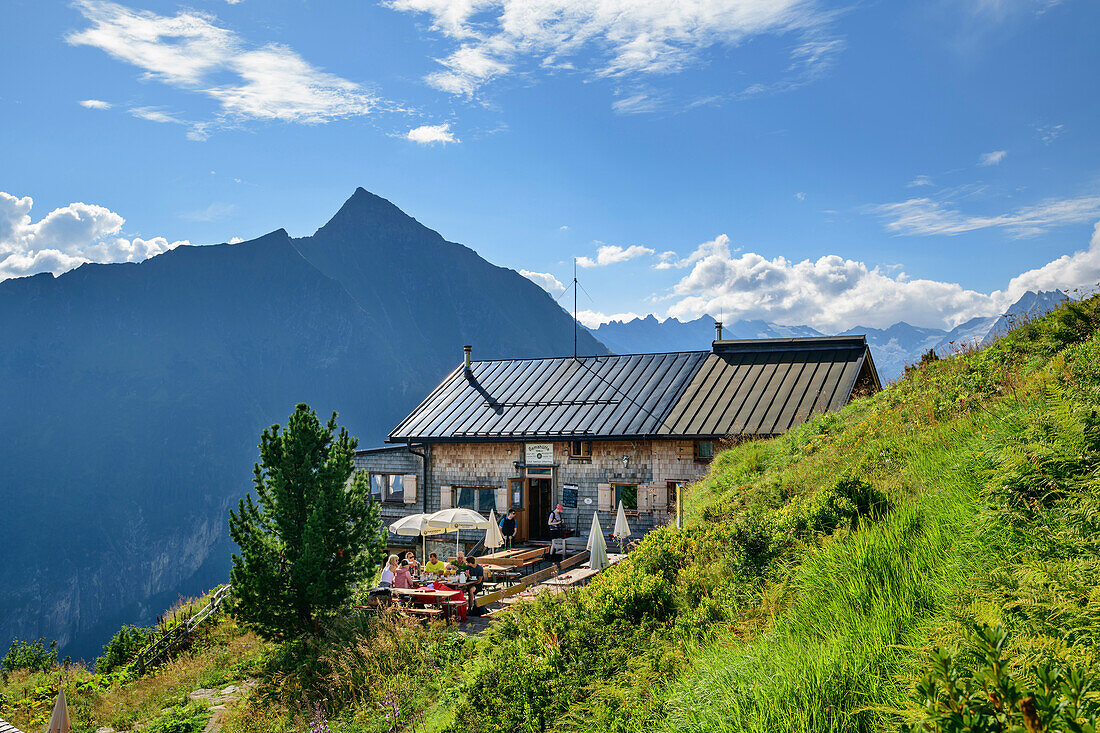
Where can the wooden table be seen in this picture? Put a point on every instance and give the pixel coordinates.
(571, 578)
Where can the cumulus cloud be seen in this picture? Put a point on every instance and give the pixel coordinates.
(833, 293)
(927, 216)
(432, 134)
(95, 104)
(544, 280)
(993, 158)
(593, 319)
(191, 51)
(612, 39)
(1077, 271)
(611, 254)
(716, 246)
(65, 238)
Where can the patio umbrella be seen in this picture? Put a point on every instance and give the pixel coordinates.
(597, 546)
(454, 520)
(59, 721)
(416, 525)
(493, 537)
(622, 529)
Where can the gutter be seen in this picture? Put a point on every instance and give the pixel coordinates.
(424, 463)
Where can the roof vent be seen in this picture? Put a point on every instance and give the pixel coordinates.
(466, 352)
(717, 330)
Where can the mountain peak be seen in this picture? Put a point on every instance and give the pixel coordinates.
(364, 212)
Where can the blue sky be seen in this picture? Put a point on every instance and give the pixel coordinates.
(795, 160)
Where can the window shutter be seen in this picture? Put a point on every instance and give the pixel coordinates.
(656, 497)
(604, 492)
(502, 500)
(410, 488)
(445, 497)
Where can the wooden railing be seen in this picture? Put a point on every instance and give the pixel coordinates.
(180, 634)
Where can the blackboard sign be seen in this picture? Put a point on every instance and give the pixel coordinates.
(569, 496)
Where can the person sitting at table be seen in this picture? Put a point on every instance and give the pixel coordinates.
(460, 563)
(402, 577)
(389, 572)
(508, 527)
(410, 560)
(434, 565)
(475, 574)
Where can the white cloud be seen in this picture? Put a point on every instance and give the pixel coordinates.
(593, 319)
(611, 254)
(925, 217)
(993, 158)
(155, 114)
(544, 280)
(431, 134)
(833, 293)
(613, 38)
(66, 238)
(718, 245)
(801, 195)
(564, 227)
(921, 180)
(1080, 270)
(213, 212)
(1049, 133)
(235, 240)
(190, 51)
(95, 104)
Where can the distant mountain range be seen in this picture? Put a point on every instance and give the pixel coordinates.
(135, 395)
(892, 348)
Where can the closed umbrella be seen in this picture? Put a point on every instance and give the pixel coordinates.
(416, 525)
(597, 546)
(493, 537)
(59, 721)
(622, 528)
(455, 520)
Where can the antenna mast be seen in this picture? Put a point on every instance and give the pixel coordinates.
(574, 307)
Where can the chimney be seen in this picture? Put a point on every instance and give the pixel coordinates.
(466, 350)
(717, 330)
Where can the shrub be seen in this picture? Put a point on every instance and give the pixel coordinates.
(34, 656)
(189, 718)
(123, 647)
(978, 694)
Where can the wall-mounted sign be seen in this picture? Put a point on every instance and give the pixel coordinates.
(569, 496)
(587, 500)
(540, 454)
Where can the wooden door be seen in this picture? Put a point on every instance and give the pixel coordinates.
(538, 508)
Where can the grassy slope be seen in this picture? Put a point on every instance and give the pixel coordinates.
(773, 610)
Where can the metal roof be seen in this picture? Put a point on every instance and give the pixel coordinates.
(747, 387)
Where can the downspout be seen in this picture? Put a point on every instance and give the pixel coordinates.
(424, 464)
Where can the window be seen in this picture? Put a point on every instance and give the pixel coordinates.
(387, 487)
(580, 450)
(628, 495)
(477, 498)
(704, 451)
(673, 488)
(516, 487)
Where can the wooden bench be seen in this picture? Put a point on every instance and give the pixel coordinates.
(527, 557)
(425, 611)
(577, 559)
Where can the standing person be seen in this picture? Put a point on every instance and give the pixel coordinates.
(508, 527)
(556, 522)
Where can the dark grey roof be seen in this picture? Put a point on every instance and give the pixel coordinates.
(750, 387)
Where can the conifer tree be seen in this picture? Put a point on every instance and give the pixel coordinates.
(312, 535)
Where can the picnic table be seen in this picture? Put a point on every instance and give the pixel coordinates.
(571, 578)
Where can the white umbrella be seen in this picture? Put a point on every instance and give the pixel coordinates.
(597, 546)
(59, 721)
(493, 537)
(622, 529)
(416, 525)
(454, 520)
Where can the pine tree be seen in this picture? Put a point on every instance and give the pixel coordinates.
(312, 536)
